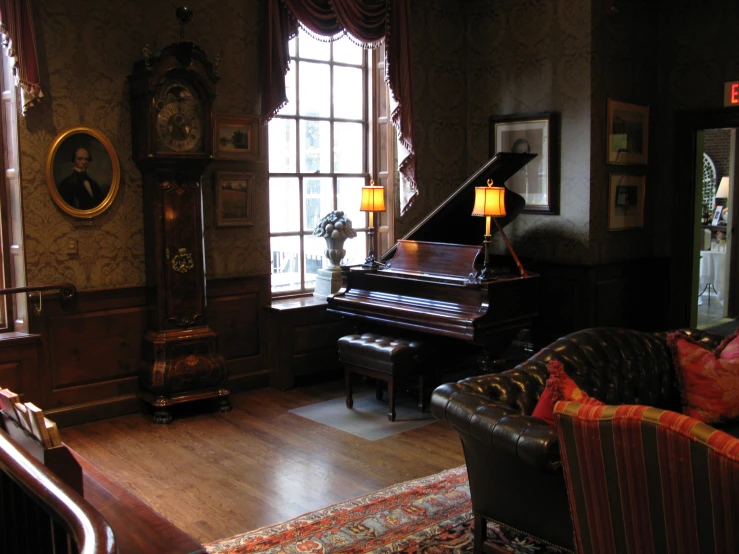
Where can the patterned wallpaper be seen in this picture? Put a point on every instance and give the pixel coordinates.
(86, 50)
(625, 68)
(527, 56)
(472, 60)
(439, 83)
(698, 52)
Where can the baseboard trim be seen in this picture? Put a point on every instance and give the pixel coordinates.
(77, 414)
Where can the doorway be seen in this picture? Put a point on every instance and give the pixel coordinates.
(716, 154)
(688, 221)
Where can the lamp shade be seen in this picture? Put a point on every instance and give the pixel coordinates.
(373, 199)
(489, 201)
(723, 188)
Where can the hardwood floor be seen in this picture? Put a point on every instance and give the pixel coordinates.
(215, 475)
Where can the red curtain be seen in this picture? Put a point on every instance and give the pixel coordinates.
(16, 23)
(369, 21)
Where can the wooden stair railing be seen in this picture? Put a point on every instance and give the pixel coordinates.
(39, 511)
(66, 291)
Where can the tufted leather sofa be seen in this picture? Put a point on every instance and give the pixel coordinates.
(513, 460)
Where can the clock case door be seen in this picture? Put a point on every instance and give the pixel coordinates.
(172, 180)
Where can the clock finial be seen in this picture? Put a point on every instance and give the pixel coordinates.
(184, 14)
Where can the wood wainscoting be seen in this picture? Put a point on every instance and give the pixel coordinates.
(630, 293)
(92, 346)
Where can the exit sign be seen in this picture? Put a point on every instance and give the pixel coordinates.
(731, 93)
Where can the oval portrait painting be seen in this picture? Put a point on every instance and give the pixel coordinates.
(82, 172)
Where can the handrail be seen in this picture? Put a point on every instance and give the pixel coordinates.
(85, 525)
(67, 291)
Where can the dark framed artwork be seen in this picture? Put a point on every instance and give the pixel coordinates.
(626, 201)
(82, 172)
(234, 198)
(628, 133)
(535, 133)
(236, 137)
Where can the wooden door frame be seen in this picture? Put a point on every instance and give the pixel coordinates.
(687, 124)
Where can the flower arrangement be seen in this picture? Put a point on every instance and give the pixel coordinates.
(336, 226)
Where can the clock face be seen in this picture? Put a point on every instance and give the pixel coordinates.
(179, 123)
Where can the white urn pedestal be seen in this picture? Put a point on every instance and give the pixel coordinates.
(328, 280)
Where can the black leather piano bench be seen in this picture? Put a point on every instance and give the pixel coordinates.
(383, 358)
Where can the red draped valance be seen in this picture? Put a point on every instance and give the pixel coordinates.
(368, 21)
(16, 23)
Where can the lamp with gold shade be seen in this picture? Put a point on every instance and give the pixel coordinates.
(490, 203)
(373, 200)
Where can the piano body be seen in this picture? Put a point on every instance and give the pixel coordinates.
(429, 284)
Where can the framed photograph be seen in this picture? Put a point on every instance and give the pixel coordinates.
(236, 137)
(625, 201)
(82, 172)
(628, 133)
(535, 133)
(717, 215)
(234, 199)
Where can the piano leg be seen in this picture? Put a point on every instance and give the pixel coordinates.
(391, 400)
(348, 381)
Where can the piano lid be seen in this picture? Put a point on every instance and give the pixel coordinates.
(452, 221)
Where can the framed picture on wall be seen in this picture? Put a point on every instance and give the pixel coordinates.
(626, 201)
(82, 172)
(628, 133)
(236, 137)
(534, 133)
(234, 199)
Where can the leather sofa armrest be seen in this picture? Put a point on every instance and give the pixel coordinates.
(472, 408)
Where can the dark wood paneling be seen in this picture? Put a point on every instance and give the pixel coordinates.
(236, 320)
(301, 337)
(632, 293)
(93, 346)
(20, 356)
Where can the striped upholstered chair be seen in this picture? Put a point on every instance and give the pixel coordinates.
(648, 481)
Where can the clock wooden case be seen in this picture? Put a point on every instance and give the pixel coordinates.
(172, 108)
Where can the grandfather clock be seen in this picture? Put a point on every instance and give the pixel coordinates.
(172, 97)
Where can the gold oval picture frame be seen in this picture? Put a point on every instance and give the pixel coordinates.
(82, 185)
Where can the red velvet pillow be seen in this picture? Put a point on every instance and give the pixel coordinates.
(559, 387)
(708, 379)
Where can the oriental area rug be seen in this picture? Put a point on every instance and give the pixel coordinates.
(429, 515)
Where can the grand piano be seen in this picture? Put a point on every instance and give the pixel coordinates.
(429, 283)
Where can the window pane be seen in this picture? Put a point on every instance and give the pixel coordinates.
(319, 200)
(315, 146)
(348, 98)
(284, 205)
(291, 47)
(345, 51)
(285, 263)
(356, 250)
(315, 89)
(282, 148)
(315, 259)
(348, 148)
(291, 106)
(349, 198)
(309, 47)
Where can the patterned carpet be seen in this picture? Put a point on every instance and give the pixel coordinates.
(429, 515)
